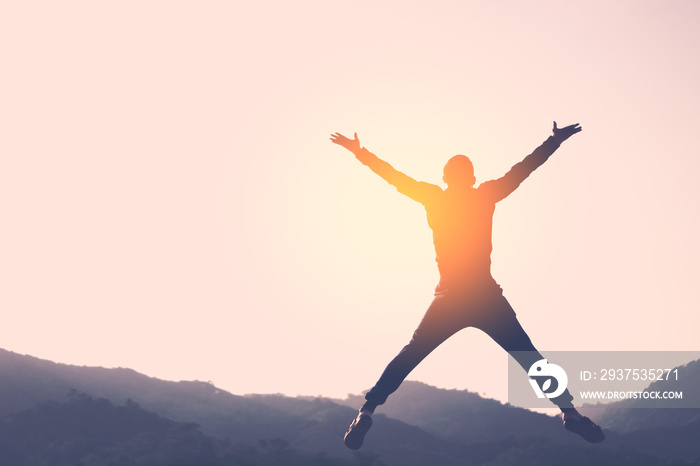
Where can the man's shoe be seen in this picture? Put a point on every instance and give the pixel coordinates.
(356, 432)
(584, 427)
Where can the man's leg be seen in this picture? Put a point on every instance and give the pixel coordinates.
(502, 325)
(437, 325)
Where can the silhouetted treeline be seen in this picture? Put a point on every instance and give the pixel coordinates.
(92, 432)
(126, 418)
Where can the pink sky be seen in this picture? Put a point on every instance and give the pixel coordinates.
(171, 201)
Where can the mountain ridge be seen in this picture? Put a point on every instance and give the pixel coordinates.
(419, 425)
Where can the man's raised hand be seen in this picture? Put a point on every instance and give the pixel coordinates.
(562, 134)
(353, 145)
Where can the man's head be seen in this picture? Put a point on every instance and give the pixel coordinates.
(459, 172)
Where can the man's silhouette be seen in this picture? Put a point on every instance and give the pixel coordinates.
(461, 218)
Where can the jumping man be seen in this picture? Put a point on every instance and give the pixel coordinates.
(461, 218)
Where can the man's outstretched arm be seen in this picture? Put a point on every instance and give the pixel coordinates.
(416, 190)
(508, 183)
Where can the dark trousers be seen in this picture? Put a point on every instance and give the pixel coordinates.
(486, 309)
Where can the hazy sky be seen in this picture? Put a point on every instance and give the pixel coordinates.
(171, 202)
